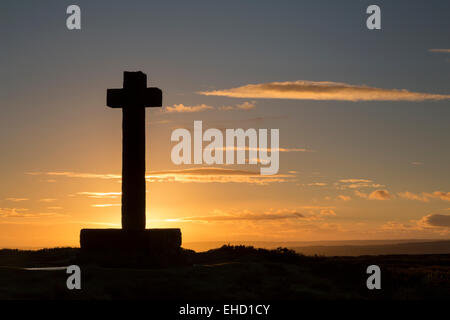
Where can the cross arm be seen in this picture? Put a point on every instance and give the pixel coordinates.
(120, 98)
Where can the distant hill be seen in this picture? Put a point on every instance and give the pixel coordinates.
(429, 247)
(337, 247)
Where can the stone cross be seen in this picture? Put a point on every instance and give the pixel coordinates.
(133, 243)
(133, 99)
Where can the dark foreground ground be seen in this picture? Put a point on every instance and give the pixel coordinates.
(230, 272)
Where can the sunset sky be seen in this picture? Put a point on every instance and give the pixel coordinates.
(363, 118)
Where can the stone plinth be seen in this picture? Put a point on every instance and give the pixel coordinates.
(147, 240)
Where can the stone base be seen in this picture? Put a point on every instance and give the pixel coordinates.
(120, 248)
(122, 240)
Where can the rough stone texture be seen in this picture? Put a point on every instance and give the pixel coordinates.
(149, 240)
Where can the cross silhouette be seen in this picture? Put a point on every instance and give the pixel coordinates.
(133, 99)
(133, 238)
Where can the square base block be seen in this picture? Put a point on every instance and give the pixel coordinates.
(148, 240)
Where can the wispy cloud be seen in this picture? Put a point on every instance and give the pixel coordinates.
(17, 199)
(96, 223)
(437, 220)
(47, 200)
(380, 195)
(100, 195)
(24, 213)
(400, 226)
(343, 197)
(304, 214)
(106, 205)
(425, 196)
(412, 196)
(199, 175)
(375, 195)
(323, 90)
(71, 174)
(357, 184)
(181, 108)
(246, 105)
(218, 175)
(439, 195)
(327, 212)
(258, 149)
(435, 223)
(440, 50)
(245, 215)
(55, 208)
(318, 184)
(355, 180)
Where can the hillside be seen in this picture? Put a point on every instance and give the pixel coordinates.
(230, 272)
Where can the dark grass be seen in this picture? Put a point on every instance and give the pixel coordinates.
(229, 272)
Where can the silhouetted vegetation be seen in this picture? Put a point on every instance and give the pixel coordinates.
(229, 272)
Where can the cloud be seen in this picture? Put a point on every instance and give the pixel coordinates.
(242, 106)
(100, 195)
(327, 212)
(355, 180)
(435, 223)
(364, 185)
(164, 121)
(439, 50)
(226, 108)
(246, 105)
(375, 195)
(380, 195)
(107, 224)
(412, 196)
(357, 183)
(361, 194)
(318, 184)
(47, 200)
(438, 195)
(425, 196)
(400, 227)
(70, 174)
(317, 212)
(322, 90)
(182, 108)
(106, 205)
(245, 215)
(24, 213)
(199, 175)
(306, 214)
(12, 212)
(343, 198)
(416, 163)
(436, 220)
(432, 223)
(17, 199)
(218, 175)
(258, 149)
(177, 108)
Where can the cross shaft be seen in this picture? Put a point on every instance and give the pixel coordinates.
(133, 99)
